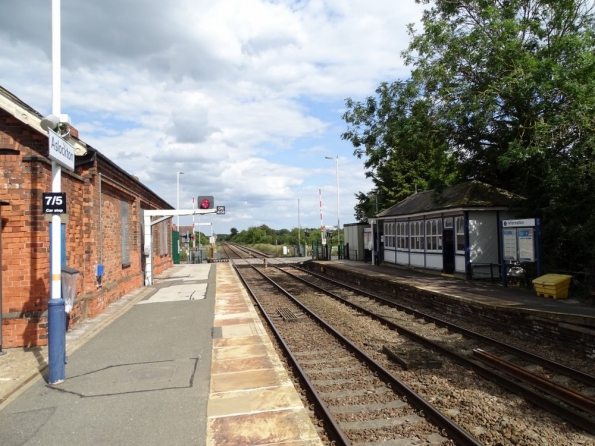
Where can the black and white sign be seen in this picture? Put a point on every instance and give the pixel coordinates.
(220, 210)
(61, 151)
(54, 203)
(526, 222)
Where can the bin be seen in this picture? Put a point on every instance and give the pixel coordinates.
(552, 285)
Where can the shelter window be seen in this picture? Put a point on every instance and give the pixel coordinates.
(460, 233)
(417, 235)
(402, 235)
(434, 235)
(389, 235)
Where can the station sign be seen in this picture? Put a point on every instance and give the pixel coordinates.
(522, 223)
(54, 202)
(60, 151)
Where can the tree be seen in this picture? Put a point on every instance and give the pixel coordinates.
(403, 145)
(505, 90)
(513, 82)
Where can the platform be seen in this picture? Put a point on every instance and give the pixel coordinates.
(186, 361)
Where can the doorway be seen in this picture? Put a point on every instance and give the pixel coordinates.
(448, 251)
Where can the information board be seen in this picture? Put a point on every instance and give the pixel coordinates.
(509, 242)
(526, 244)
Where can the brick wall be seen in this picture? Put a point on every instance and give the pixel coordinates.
(567, 332)
(93, 233)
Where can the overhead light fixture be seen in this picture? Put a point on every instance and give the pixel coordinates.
(53, 122)
(50, 122)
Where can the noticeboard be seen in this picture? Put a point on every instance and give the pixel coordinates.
(509, 243)
(526, 244)
(519, 240)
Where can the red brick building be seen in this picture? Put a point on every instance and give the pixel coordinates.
(102, 227)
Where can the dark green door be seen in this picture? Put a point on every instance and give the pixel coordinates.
(175, 249)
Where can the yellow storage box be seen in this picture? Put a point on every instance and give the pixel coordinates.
(552, 285)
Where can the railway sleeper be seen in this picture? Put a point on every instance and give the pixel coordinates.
(412, 358)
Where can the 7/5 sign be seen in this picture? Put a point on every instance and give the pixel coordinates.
(54, 203)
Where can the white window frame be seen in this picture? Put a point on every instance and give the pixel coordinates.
(417, 235)
(434, 235)
(402, 233)
(460, 233)
(389, 235)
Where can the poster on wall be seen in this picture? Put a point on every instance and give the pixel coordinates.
(526, 245)
(510, 243)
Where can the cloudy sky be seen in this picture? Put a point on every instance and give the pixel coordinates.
(243, 96)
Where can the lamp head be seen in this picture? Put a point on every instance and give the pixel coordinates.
(50, 122)
(54, 122)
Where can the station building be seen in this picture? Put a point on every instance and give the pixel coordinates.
(455, 232)
(102, 229)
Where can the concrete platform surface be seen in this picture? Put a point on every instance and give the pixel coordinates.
(183, 362)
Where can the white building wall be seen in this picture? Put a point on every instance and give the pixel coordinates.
(460, 263)
(390, 256)
(434, 261)
(417, 259)
(483, 237)
(402, 258)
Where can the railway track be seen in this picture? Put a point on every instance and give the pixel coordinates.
(417, 341)
(359, 400)
(235, 251)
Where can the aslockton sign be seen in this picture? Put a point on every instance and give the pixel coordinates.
(61, 151)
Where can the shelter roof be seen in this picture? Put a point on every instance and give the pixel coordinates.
(470, 194)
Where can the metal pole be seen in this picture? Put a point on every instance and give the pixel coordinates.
(56, 311)
(299, 230)
(338, 222)
(178, 198)
(322, 237)
(193, 235)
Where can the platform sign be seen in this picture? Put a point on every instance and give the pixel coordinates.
(54, 202)
(60, 150)
(521, 223)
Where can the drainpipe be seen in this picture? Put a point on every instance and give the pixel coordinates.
(2, 203)
(100, 225)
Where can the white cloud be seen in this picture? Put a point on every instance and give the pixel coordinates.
(244, 96)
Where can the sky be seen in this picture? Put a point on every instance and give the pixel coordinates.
(245, 97)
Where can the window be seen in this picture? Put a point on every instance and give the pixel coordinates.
(417, 235)
(460, 233)
(163, 242)
(389, 235)
(125, 232)
(434, 235)
(402, 235)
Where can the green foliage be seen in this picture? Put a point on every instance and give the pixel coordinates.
(282, 237)
(402, 142)
(502, 91)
